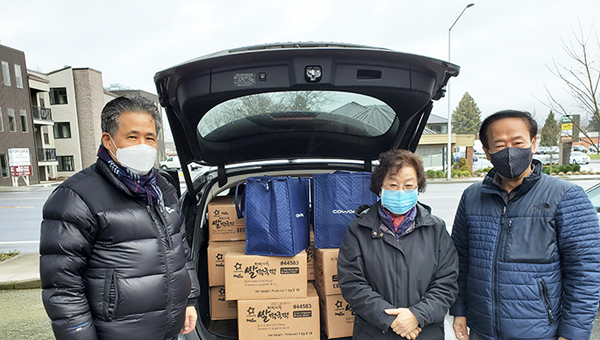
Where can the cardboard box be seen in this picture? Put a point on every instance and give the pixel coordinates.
(216, 260)
(326, 274)
(223, 222)
(220, 309)
(337, 317)
(290, 319)
(254, 277)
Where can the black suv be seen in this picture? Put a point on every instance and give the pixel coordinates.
(294, 109)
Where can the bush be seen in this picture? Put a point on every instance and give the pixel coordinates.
(458, 164)
(440, 174)
(430, 173)
(562, 168)
(546, 169)
(459, 173)
(465, 168)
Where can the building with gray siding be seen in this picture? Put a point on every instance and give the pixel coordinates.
(16, 122)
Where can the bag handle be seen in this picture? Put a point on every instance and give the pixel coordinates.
(240, 210)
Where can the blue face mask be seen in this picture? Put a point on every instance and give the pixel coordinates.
(398, 202)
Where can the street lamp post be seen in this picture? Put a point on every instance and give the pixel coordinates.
(449, 128)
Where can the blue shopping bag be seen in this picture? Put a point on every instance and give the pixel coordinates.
(276, 213)
(335, 199)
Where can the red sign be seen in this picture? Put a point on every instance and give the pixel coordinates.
(20, 170)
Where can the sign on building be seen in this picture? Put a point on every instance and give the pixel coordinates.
(19, 162)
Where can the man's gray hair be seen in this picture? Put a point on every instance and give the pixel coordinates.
(129, 103)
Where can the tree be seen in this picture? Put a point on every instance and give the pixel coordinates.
(581, 80)
(466, 118)
(550, 131)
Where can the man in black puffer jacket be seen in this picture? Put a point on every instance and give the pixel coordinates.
(115, 262)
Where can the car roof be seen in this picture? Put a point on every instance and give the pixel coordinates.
(407, 84)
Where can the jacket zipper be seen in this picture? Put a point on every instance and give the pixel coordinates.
(495, 281)
(546, 300)
(164, 255)
(165, 229)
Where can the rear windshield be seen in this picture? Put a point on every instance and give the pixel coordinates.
(293, 111)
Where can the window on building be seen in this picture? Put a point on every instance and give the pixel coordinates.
(4, 165)
(6, 73)
(46, 135)
(12, 120)
(18, 76)
(24, 125)
(62, 130)
(1, 121)
(58, 95)
(65, 163)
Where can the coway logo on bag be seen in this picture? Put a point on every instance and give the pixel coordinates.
(343, 211)
(299, 215)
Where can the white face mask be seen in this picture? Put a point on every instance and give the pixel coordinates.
(138, 158)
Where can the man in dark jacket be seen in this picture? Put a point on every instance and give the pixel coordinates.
(115, 262)
(528, 245)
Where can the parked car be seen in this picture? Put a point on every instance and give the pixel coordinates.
(594, 195)
(458, 155)
(579, 148)
(542, 150)
(171, 162)
(545, 159)
(592, 148)
(579, 158)
(323, 107)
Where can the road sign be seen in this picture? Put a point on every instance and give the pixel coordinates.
(18, 157)
(566, 119)
(20, 170)
(566, 126)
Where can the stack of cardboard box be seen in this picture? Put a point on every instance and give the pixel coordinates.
(337, 317)
(226, 233)
(268, 295)
(274, 299)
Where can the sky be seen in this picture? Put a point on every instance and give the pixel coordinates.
(504, 47)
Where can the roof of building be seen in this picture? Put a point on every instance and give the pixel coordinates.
(35, 77)
(378, 116)
(434, 119)
(111, 93)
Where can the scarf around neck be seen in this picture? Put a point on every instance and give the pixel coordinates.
(141, 186)
(397, 224)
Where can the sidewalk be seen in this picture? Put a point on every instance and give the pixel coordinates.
(20, 272)
(23, 187)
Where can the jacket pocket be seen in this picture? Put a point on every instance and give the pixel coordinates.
(545, 298)
(111, 295)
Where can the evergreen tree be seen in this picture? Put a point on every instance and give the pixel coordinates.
(550, 132)
(466, 118)
(594, 124)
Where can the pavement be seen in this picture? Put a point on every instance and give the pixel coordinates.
(20, 272)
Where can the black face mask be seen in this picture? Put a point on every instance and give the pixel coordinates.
(511, 162)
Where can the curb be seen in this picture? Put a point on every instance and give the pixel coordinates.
(31, 282)
(21, 284)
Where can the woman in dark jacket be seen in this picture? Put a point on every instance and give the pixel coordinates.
(397, 265)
